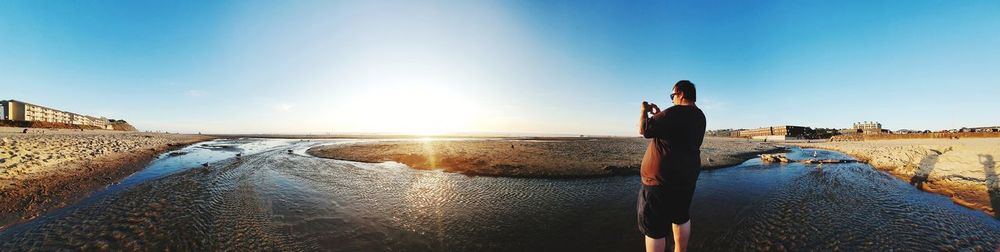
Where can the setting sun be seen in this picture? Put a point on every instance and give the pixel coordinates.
(410, 110)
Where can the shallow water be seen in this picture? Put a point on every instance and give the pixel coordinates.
(194, 155)
(272, 199)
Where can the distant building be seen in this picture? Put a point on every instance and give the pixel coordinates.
(981, 129)
(909, 131)
(723, 133)
(14, 110)
(868, 128)
(784, 132)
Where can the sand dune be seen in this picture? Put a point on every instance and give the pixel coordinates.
(963, 169)
(526, 157)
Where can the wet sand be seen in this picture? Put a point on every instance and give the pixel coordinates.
(534, 157)
(48, 169)
(963, 169)
(279, 199)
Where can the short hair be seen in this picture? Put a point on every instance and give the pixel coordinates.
(686, 87)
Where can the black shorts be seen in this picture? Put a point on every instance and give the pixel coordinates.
(661, 205)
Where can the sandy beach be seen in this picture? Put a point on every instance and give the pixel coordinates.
(47, 169)
(534, 157)
(963, 169)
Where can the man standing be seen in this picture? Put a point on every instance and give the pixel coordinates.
(670, 167)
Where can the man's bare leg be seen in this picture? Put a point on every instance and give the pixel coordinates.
(681, 234)
(655, 245)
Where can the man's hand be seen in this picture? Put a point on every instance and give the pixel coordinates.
(646, 108)
(653, 108)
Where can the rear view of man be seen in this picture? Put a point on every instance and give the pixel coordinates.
(670, 167)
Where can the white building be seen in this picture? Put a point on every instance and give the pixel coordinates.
(14, 110)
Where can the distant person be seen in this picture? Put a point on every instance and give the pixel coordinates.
(670, 167)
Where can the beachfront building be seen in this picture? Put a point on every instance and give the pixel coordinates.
(868, 128)
(981, 129)
(14, 110)
(909, 131)
(784, 132)
(723, 132)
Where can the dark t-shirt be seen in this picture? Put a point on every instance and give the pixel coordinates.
(673, 156)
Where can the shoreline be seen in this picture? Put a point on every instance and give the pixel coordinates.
(535, 158)
(45, 172)
(963, 170)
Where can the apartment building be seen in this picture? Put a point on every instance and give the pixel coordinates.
(22, 111)
(868, 128)
(783, 132)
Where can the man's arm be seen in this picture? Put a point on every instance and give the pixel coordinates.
(642, 119)
(648, 125)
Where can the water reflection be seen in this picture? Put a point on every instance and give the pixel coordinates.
(427, 196)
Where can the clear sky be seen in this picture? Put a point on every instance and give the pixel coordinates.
(566, 67)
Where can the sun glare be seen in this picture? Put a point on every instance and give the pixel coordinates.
(414, 111)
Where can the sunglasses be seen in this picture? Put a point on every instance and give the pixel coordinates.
(672, 96)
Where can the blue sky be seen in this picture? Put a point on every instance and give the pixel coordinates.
(562, 67)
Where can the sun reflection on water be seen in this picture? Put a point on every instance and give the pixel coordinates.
(427, 198)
